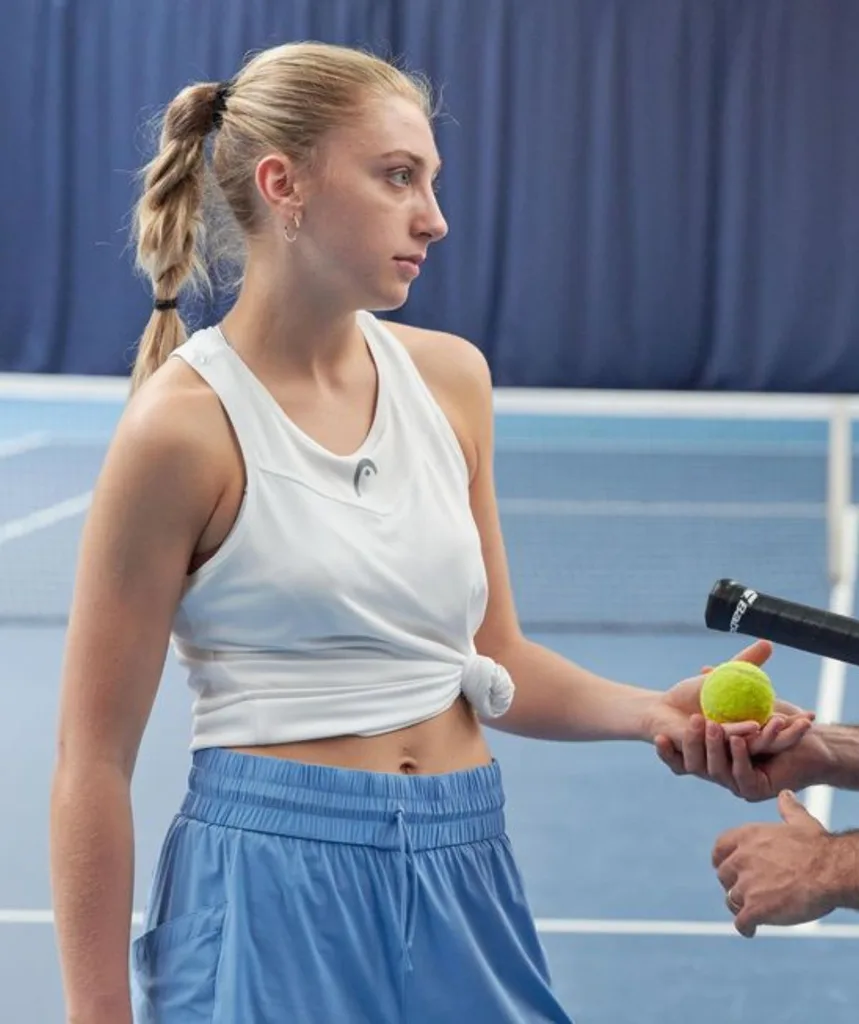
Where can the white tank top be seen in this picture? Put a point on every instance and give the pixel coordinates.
(346, 597)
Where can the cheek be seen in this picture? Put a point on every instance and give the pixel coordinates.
(359, 222)
(350, 233)
(355, 251)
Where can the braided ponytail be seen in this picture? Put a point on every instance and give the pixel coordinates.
(168, 221)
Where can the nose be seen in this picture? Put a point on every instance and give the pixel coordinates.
(431, 224)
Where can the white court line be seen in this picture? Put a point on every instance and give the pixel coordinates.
(579, 926)
(24, 443)
(830, 693)
(43, 917)
(32, 917)
(695, 509)
(729, 448)
(14, 529)
(668, 404)
(528, 401)
(576, 926)
(65, 387)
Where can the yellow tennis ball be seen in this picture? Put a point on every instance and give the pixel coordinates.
(737, 691)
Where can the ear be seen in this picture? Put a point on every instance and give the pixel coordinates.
(277, 181)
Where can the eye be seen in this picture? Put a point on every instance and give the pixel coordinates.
(402, 176)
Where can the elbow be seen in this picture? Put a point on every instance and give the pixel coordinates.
(502, 645)
(79, 759)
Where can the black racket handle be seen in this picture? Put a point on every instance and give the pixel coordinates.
(734, 608)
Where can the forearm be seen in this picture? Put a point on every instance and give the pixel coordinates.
(839, 874)
(92, 867)
(558, 700)
(842, 744)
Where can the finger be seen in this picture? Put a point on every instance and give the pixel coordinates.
(784, 707)
(771, 728)
(669, 754)
(733, 901)
(724, 847)
(728, 875)
(788, 737)
(758, 652)
(745, 923)
(694, 754)
(746, 729)
(750, 782)
(718, 764)
(792, 811)
(768, 734)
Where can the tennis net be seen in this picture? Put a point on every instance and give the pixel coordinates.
(619, 509)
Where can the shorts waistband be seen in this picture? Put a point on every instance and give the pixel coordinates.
(291, 798)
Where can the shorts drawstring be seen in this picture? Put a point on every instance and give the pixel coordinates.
(408, 888)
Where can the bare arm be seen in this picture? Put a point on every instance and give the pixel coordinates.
(154, 496)
(841, 769)
(843, 877)
(555, 698)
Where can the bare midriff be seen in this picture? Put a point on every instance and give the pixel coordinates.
(449, 742)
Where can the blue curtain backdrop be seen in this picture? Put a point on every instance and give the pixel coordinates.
(642, 193)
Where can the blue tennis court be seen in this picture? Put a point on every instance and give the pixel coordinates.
(617, 525)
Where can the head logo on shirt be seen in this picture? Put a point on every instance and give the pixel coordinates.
(363, 471)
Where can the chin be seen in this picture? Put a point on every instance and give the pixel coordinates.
(383, 302)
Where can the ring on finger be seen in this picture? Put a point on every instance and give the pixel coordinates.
(733, 905)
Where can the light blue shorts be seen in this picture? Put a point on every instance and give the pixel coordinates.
(289, 893)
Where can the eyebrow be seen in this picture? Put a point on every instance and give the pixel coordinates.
(417, 160)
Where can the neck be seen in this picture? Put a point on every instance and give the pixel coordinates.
(281, 326)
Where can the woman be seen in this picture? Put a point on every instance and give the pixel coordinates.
(302, 497)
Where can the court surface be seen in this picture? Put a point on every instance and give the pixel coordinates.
(616, 529)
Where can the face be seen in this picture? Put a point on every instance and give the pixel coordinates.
(371, 213)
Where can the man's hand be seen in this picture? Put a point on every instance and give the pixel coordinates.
(779, 873)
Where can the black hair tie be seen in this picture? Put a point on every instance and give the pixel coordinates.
(219, 104)
(163, 304)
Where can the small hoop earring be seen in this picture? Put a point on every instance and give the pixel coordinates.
(289, 237)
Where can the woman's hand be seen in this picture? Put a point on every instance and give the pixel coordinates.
(751, 760)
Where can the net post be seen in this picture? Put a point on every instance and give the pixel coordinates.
(839, 486)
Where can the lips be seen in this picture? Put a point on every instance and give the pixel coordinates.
(417, 259)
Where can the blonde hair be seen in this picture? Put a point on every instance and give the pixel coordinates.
(285, 99)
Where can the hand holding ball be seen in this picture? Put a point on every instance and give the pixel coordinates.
(737, 691)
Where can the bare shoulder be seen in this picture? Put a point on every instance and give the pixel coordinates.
(174, 441)
(458, 375)
(175, 413)
(445, 360)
